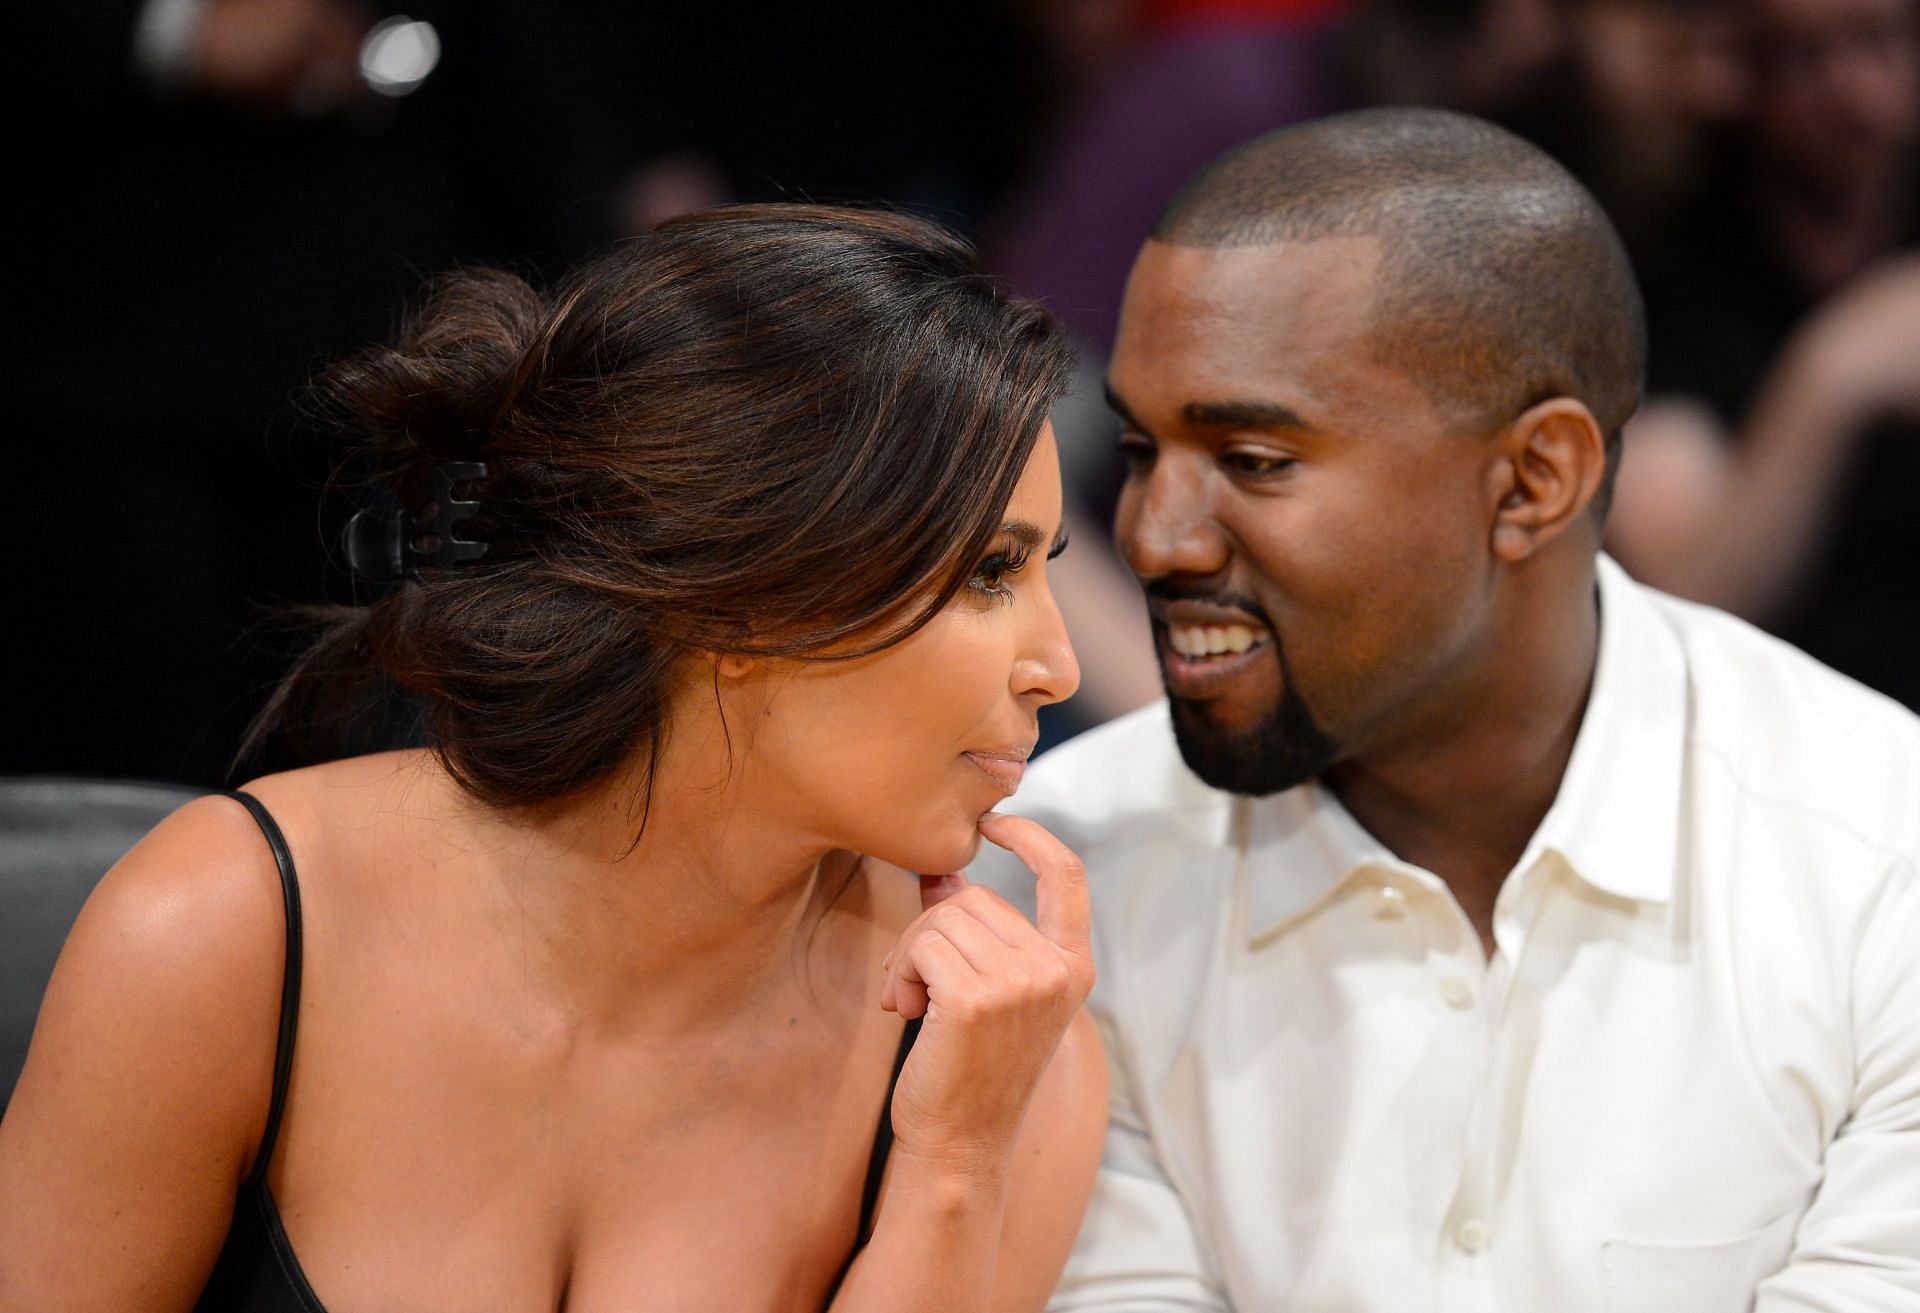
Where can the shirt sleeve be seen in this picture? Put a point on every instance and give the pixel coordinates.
(1138, 1250)
(1857, 1250)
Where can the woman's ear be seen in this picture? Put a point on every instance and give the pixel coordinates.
(1549, 465)
(731, 665)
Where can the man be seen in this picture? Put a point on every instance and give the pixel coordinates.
(1476, 928)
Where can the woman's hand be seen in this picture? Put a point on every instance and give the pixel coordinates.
(996, 992)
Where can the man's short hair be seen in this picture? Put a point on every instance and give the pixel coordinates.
(1502, 283)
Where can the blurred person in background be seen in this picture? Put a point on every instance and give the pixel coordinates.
(1638, 103)
(1772, 473)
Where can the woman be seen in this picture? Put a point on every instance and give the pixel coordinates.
(723, 565)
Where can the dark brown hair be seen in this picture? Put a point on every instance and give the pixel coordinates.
(766, 430)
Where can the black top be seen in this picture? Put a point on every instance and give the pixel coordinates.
(257, 1271)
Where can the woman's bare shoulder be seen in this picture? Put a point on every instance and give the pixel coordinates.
(350, 795)
(199, 896)
(150, 1072)
(183, 940)
(171, 976)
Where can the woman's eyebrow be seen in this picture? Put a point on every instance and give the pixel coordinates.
(1030, 535)
(1025, 532)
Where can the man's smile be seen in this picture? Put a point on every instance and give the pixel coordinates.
(1205, 647)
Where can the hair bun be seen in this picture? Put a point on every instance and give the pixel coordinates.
(436, 392)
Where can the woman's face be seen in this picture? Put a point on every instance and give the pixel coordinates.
(899, 754)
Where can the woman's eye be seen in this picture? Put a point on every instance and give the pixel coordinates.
(990, 576)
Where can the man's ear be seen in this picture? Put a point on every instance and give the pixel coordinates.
(1548, 467)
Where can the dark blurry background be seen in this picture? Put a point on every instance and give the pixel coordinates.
(216, 196)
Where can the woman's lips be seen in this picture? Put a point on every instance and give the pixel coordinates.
(1005, 769)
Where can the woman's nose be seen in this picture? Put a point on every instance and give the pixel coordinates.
(1047, 668)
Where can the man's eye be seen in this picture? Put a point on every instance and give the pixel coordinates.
(1136, 450)
(1256, 463)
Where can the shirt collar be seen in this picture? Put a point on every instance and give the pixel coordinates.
(1615, 820)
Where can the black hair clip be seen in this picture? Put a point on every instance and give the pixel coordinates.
(385, 545)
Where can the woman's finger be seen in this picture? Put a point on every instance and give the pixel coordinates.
(930, 964)
(939, 888)
(985, 951)
(1001, 917)
(1061, 911)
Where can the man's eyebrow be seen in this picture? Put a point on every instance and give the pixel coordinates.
(1220, 414)
(1242, 415)
(1119, 407)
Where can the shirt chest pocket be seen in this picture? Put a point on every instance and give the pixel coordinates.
(1720, 1276)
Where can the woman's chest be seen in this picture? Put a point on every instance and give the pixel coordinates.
(425, 1171)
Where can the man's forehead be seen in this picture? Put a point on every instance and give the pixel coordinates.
(1224, 279)
(1183, 297)
(1216, 314)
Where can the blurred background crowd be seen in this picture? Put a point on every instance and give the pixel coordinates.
(221, 195)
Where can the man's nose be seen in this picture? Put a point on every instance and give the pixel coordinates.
(1166, 522)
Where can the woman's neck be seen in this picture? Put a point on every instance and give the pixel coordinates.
(716, 906)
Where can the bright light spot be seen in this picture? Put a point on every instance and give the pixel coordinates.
(398, 54)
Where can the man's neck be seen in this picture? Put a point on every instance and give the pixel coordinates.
(1464, 804)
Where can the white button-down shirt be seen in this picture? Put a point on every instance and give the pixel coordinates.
(1688, 1076)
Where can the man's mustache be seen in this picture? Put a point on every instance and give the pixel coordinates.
(1170, 590)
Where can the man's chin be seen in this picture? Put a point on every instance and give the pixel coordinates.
(1282, 749)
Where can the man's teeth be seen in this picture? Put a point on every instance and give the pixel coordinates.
(1214, 640)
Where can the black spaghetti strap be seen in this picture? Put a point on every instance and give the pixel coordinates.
(883, 1135)
(289, 982)
(876, 1160)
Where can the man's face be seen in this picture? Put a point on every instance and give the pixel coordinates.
(1312, 533)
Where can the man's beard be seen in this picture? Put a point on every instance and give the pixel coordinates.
(1284, 748)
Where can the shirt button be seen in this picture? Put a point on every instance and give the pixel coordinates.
(1473, 1235)
(1392, 905)
(1456, 991)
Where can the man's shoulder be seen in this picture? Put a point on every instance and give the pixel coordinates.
(1781, 727)
(1125, 773)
